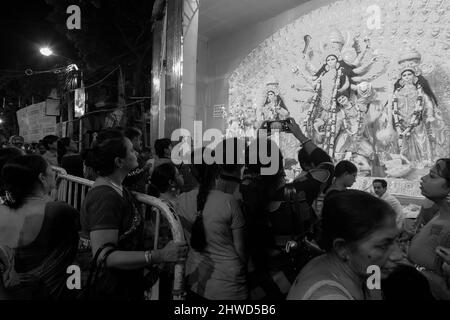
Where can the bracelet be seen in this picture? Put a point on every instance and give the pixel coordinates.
(148, 257)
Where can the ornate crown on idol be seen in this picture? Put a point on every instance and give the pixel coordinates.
(273, 86)
(332, 52)
(334, 45)
(410, 59)
(336, 37)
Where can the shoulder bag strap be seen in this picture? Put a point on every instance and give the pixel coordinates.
(296, 201)
(97, 265)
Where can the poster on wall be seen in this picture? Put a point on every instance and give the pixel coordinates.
(367, 81)
(52, 107)
(34, 124)
(80, 102)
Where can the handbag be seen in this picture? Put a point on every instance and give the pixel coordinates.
(300, 250)
(101, 283)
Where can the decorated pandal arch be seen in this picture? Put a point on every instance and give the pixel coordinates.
(376, 92)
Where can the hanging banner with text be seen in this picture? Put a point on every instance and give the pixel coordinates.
(34, 124)
(80, 102)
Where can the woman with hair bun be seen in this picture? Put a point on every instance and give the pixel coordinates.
(6, 154)
(167, 181)
(358, 231)
(345, 176)
(112, 226)
(38, 237)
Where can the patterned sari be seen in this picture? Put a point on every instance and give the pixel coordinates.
(45, 282)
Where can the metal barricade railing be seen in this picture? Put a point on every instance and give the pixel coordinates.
(177, 235)
(59, 170)
(73, 190)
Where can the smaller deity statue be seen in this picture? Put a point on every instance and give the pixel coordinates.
(350, 128)
(413, 114)
(274, 107)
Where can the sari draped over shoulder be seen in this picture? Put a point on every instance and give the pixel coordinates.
(35, 267)
(45, 282)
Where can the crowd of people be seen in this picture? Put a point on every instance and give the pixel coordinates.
(60, 152)
(248, 235)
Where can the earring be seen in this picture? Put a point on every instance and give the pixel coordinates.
(447, 199)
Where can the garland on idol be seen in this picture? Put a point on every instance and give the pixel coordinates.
(331, 126)
(307, 121)
(274, 109)
(415, 119)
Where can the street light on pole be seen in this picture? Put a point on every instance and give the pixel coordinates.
(75, 81)
(46, 51)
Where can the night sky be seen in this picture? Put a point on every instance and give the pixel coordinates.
(23, 30)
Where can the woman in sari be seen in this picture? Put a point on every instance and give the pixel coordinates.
(38, 237)
(425, 251)
(358, 231)
(113, 228)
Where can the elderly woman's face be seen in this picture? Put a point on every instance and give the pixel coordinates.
(433, 185)
(380, 248)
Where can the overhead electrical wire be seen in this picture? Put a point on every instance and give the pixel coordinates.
(105, 111)
(100, 81)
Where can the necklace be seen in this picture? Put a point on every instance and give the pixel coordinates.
(113, 184)
(37, 198)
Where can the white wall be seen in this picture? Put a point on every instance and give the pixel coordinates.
(217, 58)
(188, 93)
